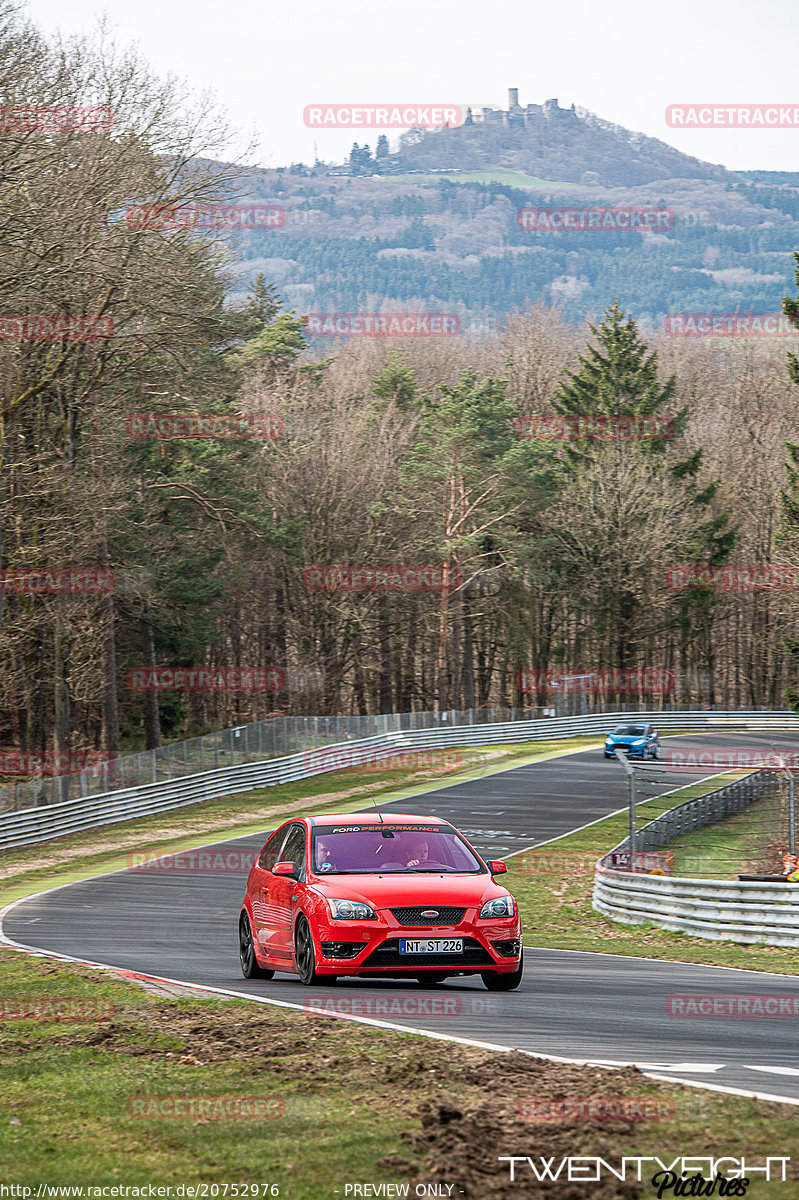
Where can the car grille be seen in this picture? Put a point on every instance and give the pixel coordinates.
(388, 955)
(413, 916)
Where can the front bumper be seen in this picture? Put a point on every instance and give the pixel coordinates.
(630, 751)
(373, 947)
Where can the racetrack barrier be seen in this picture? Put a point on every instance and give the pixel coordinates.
(717, 909)
(55, 818)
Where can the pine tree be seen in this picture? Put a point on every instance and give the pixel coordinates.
(617, 378)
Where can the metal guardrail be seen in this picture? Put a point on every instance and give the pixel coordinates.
(40, 823)
(744, 912)
(278, 737)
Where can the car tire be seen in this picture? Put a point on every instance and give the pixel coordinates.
(249, 963)
(656, 752)
(305, 954)
(503, 983)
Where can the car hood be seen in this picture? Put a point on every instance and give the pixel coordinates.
(625, 739)
(401, 891)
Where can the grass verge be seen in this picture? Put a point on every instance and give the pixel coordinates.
(349, 1104)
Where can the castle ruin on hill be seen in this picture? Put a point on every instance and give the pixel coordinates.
(518, 114)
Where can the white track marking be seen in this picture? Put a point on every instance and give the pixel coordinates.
(774, 1070)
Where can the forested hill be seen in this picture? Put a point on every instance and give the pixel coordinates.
(567, 144)
(434, 225)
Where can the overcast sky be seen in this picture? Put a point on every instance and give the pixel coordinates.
(625, 61)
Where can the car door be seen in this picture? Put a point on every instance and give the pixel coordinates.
(261, 880)
(284, 892)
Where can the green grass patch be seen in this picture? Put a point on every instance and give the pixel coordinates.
(740, 844)
(514, 178)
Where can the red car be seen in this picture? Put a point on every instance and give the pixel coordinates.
(362, 894)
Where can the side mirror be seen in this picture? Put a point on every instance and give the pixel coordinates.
(497, 867)
(286, 868)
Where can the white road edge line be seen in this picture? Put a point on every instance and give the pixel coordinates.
(124, 973)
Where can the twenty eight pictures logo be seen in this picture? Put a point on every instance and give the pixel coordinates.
(399, 324)
(593, 220)
(206, 679)
(383, 116)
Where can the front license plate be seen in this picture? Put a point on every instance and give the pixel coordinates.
(432, 946)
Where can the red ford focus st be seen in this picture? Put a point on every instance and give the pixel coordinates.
(363, 895)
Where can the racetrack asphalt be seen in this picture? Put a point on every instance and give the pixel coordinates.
(181, 925)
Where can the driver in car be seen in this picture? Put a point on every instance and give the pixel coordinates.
(324, 857)
(419, 852)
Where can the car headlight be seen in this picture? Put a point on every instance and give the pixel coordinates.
(351, 910)
(501, 907)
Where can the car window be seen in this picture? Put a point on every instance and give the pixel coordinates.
(270, 853)
(294, 847)
(391, 848)
(629, 730)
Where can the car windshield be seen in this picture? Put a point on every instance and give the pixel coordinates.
(629, 731)
(391, 848)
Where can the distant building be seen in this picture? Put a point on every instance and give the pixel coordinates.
(517, 114)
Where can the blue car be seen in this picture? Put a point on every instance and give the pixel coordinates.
(636, 741)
